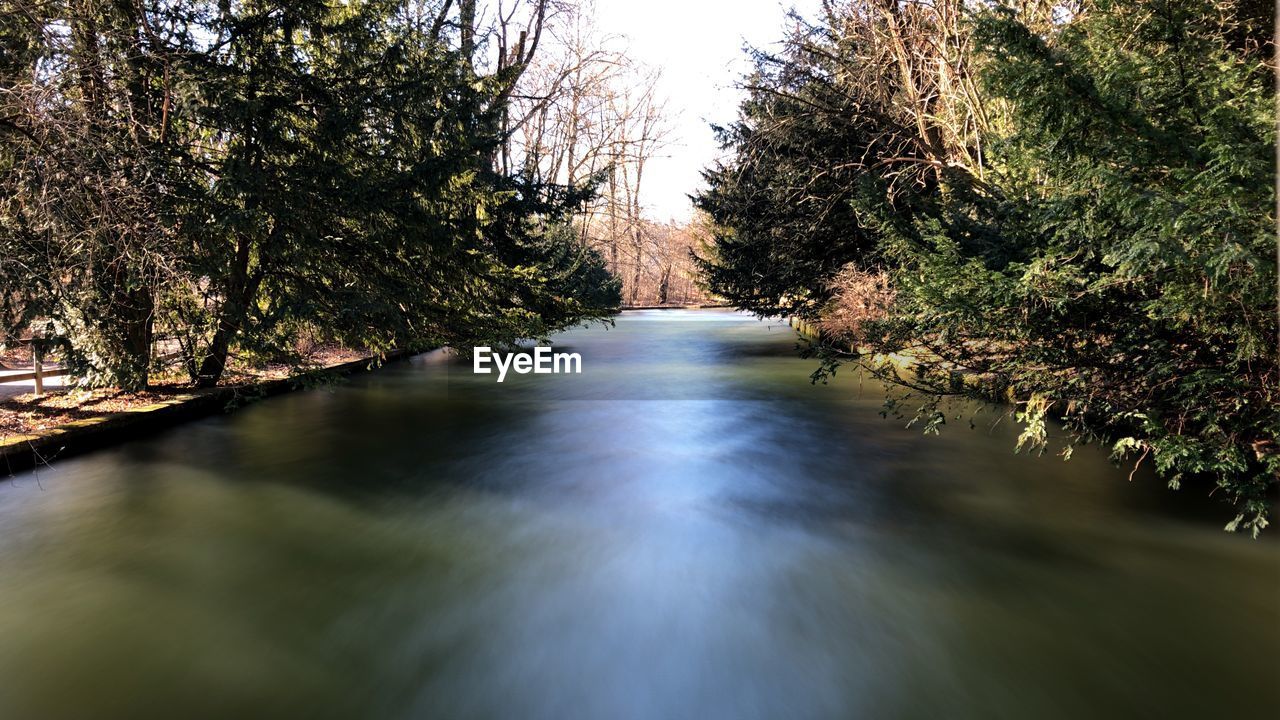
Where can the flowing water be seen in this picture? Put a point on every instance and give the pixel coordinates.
(688, 529)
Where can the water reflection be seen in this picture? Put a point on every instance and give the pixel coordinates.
(688, 529)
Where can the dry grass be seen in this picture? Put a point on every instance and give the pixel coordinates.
(859, 297)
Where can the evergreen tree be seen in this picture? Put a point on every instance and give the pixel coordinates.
(1103, 248)
(235, 174)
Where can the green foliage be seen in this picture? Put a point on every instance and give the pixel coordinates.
(783, 202)
(80, 225)
(1114, 263)
(271, 168)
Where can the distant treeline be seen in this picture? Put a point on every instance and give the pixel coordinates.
(237, 177)
(1069, 204)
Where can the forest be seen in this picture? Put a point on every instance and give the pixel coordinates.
(190, 184)
(1069, 205)
(639, 359)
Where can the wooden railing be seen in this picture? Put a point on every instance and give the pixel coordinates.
(38, 370)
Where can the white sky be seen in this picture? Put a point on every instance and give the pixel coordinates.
(698, 44)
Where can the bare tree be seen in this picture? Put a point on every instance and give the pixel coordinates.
(584, 112)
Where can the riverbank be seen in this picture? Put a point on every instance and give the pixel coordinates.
(907, 364)
(34, 431)
(711, 306)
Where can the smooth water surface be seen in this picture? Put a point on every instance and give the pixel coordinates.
(689, 529)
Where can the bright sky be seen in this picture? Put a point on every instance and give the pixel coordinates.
(698, 44)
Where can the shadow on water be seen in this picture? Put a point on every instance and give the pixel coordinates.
(686, 529)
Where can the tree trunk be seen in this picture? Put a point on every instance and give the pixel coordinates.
(635, 275)
(239, 294)
(138, 321)
(664, 284)
(467, 21)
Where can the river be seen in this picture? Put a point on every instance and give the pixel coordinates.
(687, 529)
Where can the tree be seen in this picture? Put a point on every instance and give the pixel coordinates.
(588, 116)
(783, 201)
(233, 175)
(1077, 213)
(85, 114)
(1124, 271)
